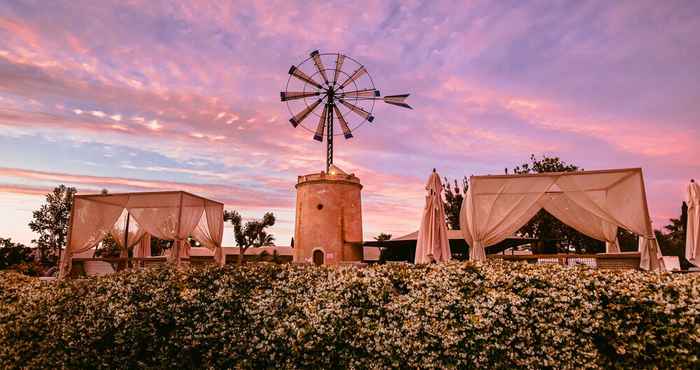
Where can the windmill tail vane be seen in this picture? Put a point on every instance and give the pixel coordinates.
(399, 100)
(335, 88)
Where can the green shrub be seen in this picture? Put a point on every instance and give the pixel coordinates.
(18, 257)
(461, 315)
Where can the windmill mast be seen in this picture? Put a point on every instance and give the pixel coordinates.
(329, 137)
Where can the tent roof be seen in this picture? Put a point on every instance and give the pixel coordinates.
(588, 181)
(146, 193)
(568, 173)
(451, 234)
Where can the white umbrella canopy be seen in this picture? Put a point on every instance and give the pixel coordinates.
(692, 241)
(432, 244)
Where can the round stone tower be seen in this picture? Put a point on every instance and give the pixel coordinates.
(328, 228)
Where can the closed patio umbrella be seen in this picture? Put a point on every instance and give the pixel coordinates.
(432, 244)
(692, 239)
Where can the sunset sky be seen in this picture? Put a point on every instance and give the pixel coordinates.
(143, 96)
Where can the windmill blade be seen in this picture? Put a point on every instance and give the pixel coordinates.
(359, 111)
(338, 66)
(343, 123)
(354, 76)
(319, 65)
(296, 120)
(364, 93)
(298, 73)
(292, 95)
(321, 124)
(398, 100)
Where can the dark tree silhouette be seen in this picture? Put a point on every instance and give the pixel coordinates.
(454, 196)
(252, 234)
(12, 254)
(50, 221)
(382, 237)
(672, 238)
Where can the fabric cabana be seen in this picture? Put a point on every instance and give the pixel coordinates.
(128, 217)
(595, 203)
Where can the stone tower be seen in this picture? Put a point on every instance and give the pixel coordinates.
(328, 227)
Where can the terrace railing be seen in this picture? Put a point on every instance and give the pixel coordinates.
(609, 261)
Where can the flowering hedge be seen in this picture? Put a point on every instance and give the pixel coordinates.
(501, 315)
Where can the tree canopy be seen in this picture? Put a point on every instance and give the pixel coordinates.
(454, 196)
(672, 237)
(12, 253)
(382, 237)
(50, 221)
(252, 234)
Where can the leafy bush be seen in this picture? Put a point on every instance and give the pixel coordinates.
(18, 257)
(496, 315)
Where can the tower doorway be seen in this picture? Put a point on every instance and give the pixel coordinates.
(318, 257)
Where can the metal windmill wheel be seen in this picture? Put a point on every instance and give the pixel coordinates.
(328, 88)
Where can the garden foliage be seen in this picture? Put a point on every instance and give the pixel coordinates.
(462, 315)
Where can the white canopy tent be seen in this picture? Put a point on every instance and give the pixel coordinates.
(595, 203)
(169, 215)
(692, 241)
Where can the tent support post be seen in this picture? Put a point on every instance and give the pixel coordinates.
(177, 237)
(126, 239)
(68, 240)
(650, 227)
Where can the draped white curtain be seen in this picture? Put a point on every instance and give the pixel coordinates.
(143, 248)
(210, 230)
(496, 208)
(619, 198)
(570, 213)
(170, 216)
(158, 214)
(595, 203)
(692, 239)
(432, 243)
(118, 231)
(165, 215)
(91, 220)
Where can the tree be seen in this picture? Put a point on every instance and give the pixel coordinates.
(12, 254)
(672, 241)
(454, 196)
(544, 227)
(51, 223)
(382, 237)
(109, 248)
(545, 164)
(252, 234)
(676, 229)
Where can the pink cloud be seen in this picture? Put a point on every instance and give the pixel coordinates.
(491, 83)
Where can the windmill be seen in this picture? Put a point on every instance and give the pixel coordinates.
(328, 88)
